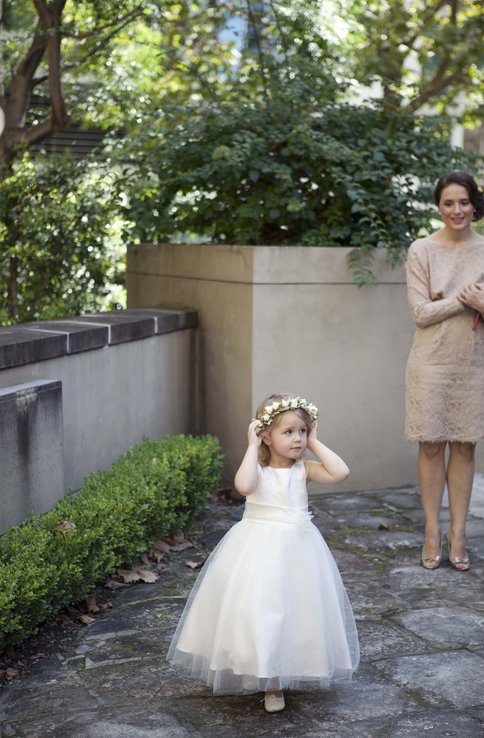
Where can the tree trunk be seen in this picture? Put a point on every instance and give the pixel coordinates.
(47, 40)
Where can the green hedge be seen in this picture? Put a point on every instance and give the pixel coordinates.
(156, 488)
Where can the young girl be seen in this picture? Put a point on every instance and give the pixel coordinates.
(269, 610)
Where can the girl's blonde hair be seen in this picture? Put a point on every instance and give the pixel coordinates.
(264, 450)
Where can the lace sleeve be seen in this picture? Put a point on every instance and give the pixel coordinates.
(426, 311)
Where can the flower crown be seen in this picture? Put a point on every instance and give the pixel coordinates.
(268, 414)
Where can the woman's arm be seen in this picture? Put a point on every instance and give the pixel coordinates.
(246, 477)
(330, 468)
(424, 310)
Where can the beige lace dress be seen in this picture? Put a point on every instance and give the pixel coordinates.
(445, 368)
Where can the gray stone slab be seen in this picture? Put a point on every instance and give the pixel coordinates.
(20, 346)
(167, 320)
(428, 723)
(385, 638)
(391, 541)
(452, 627)
(444, 678)
(79, 336)
(122, 327)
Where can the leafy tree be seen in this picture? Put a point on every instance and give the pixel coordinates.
(57, 246)
(422, 52)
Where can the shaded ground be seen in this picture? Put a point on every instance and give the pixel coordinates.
(421, 635)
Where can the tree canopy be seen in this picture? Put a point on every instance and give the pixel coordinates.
(423, 53)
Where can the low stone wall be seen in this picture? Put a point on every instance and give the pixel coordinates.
(75, 394)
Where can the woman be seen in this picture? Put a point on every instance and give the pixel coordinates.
(445, 369)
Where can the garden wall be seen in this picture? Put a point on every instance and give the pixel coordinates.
(75, 394)
(291, 319)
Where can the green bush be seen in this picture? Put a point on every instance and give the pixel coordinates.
(52, 560)
(59, 251)
(287, 170)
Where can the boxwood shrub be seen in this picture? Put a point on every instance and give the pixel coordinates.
(52, 560)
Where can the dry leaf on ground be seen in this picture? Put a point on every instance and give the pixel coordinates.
(86, 620)
(194, 564)
(135, 575)
(8, 674)
(113, 584)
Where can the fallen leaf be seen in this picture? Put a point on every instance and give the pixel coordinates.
(64, 527)
(135, 575)
(182, 546)
(383, 526)
(194, 564)
(162, 546)
(157, 555)
(114, 584)
(147, 576)
(8, 674)
(86, 620)
(128, 575)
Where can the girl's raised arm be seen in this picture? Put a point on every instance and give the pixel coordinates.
(330, 468)
(246, 478)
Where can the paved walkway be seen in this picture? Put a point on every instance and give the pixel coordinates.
(421, 633)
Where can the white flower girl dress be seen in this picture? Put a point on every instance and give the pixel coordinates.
(269, 609)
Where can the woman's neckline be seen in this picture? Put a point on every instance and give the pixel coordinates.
(464, 244)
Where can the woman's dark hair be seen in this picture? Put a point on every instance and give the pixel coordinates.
(462, 178)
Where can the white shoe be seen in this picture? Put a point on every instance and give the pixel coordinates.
(274, 702)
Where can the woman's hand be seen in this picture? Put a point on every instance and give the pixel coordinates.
(473, 296)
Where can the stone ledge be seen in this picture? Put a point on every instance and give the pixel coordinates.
(27, 343)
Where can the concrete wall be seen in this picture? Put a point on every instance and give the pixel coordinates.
(124, 375)
(31, 449)
(291, 319)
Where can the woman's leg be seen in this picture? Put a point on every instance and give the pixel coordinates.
(431, 474)
(460, 476)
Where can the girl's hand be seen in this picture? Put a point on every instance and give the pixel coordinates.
(253, 438)
(313, 435)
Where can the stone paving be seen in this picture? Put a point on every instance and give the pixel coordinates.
(421, 635)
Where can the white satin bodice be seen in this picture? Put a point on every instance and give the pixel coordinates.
(281, 495)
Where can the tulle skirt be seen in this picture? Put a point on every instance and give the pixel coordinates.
(268, 611)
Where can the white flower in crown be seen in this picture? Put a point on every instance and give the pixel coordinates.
(270, 411)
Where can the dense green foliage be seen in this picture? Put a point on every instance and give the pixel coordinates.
(58, 253)
(286, 169)
(158, 487)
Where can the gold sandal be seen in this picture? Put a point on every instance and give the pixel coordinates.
(431, 562)
(458, 563)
